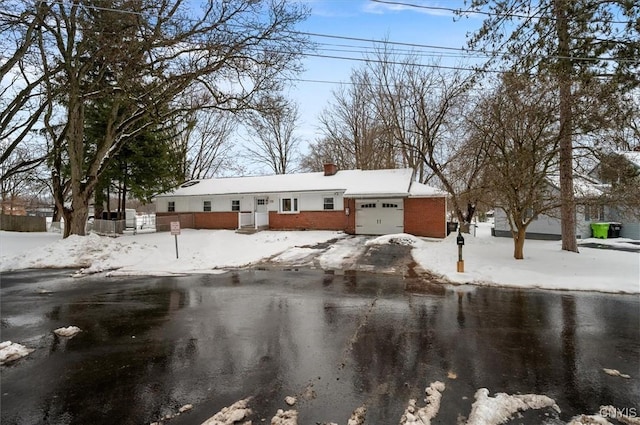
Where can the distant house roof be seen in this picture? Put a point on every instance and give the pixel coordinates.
(632, 157)
(354, 184)
(583, 187)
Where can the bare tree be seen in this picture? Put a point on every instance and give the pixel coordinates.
(22, 100)
(352, 128)
(203, 143)
(139, 59)
(272, 131)
(516, 129)
(421, 105)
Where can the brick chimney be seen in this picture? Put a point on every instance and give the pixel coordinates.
(330, 169)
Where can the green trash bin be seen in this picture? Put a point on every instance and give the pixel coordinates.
(600, 230)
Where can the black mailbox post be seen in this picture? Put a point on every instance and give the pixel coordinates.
(460, 243)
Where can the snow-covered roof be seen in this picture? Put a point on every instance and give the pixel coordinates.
(354, 184)
(582, 186)
(419, 190)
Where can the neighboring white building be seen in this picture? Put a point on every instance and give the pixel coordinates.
(548, 227)
(586, 189)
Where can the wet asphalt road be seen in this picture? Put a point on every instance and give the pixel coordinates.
(151, 345)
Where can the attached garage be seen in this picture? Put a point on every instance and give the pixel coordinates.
(379, 216)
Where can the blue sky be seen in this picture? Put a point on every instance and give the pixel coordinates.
(369, 20)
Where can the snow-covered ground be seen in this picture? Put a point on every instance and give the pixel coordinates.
(487, 260)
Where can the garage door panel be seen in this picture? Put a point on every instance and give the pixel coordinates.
(379, 217)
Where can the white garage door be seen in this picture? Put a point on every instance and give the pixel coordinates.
(379, 216)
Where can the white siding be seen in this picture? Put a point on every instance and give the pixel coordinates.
(315, 201)
(309, 201)
(543, 224)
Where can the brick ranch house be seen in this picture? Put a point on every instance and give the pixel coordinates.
(367, 202)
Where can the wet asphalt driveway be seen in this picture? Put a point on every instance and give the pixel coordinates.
(336, 341)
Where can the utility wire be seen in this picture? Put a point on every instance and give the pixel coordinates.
(477, 12)
(479, 52)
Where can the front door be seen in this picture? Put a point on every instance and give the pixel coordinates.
(261, 205)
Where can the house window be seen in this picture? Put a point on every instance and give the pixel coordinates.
(235, 205)
(206, 206)
(384, 205)
(594, 212)
(289, 205)
(261, 201)
(171, 206)
(328, 203)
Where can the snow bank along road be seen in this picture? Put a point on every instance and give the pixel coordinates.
(312, 347)
(488, 260)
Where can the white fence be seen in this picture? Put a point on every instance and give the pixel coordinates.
(253, 220)
(144, 223)
(262, 219)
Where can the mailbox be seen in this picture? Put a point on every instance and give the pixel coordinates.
(460, 242)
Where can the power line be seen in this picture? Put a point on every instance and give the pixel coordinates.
(477, 12)
(480, 53)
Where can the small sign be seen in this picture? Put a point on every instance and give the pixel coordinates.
(175, 227)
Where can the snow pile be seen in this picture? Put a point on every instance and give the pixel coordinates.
(589, 420)
(290, 400)
(10, 351)
(423, 415)
(615, 372)
(290, 417)
(358, 416)
(230, 415)
(499, 409)
(607, 412)
(398, 239)
(68, 332)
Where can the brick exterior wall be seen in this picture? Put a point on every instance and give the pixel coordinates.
(425, 217)
(351, 218)
(216, 220)
(308, 220)
(164, 219)
(198, 220)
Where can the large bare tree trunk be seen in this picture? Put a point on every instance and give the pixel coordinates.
(567, 208)
(518, 243)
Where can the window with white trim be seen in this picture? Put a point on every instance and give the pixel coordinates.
(289, 205)
(328, 204)
(261, 201)
(206, 206)
(171, 206)
(594, 212)
(235, 205)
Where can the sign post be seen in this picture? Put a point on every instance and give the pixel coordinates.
(175, 231)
